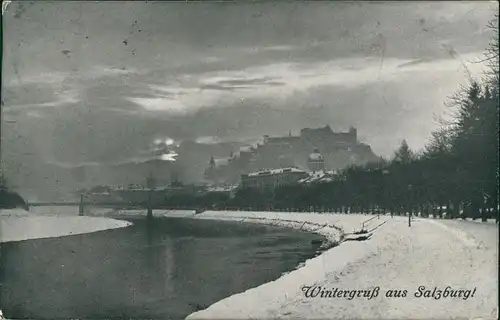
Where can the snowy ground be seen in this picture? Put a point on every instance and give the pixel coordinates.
(461, 255)
(18, 225)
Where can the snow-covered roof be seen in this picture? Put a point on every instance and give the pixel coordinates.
(104, 193)
(275, 171)
(319, 176)
(146, 189)
(221, 188)
(133, 187)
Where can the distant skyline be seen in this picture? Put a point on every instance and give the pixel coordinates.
(87, 81)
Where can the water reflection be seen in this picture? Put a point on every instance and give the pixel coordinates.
(164, 268)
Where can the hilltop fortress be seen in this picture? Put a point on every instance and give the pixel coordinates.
(332, 150)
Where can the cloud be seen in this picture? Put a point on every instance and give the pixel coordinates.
(175, 100)
(66, 99)
(274, 48)
(106, 71)
(232, 84)
(249, 81)
(34, 114)
(96, 86)
(223, 88)
(159, 104)
(208, 140)
(276, 84)
(414, 62)
(38, 78)
(93, 73)
(169, 91)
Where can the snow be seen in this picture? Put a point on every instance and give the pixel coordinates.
(222, 188)
(318, 176)
(19, 225)
(274, 171)
(430, 253)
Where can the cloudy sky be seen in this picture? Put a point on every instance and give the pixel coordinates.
(96, 81)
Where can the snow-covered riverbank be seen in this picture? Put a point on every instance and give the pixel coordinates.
(430, 254)
(18, 225)
(438, 254)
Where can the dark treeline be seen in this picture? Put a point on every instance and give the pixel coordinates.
(455, 176)
(10, 199)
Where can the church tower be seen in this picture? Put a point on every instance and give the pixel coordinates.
(210, 171)
(316, 162)
(353, 133)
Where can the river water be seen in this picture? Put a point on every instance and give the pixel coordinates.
(164, 269)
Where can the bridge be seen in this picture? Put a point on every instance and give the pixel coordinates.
(95, 204)
(117, 205)
(84, 202)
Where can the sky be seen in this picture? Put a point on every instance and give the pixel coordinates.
(99, 81)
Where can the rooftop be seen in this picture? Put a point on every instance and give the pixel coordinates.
(274, 171)
(222, 188)
(319, 176)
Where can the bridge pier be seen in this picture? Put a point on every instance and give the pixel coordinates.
(150, 205)
(80, 206)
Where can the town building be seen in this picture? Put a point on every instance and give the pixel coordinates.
(320, 177)
(271, 179)
(229, 191)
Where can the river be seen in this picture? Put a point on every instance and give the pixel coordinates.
(164, 269)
